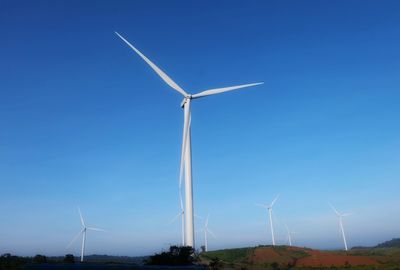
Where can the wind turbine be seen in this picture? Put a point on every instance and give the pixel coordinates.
(289, 235)
(83, 233)
(181, 214)
(205, 231)
(340, 216)
(186, 156)
(269, 208)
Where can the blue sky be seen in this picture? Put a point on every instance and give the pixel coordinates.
(84, 121)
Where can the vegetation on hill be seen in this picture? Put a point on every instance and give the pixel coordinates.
(113, 259)
(236, 255)
(10, 262)
(69, 258)
(394, 243)
(385, 256)
(174, 257)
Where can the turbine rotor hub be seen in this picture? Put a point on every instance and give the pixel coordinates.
(185, 99)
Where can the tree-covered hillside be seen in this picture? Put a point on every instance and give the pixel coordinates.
(395, 242)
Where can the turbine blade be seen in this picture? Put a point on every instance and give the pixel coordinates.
(96, 229)
(287, 229)
(208, 217)
(74, 239)
(174, 219)
(80, 215)
(334, 210)
(209, 231)
(273, 202)
(182, 163)
(186, 127)
(223, 89)
(160, 73)
(197, 216)
(181, 201)
(276, 220)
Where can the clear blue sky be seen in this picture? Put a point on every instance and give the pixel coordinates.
(84, 121)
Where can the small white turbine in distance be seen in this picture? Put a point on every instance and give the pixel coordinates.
(83, 233)
(289, 235)
(181, 214)
(205, 231)
(340, 216)
(269, 208)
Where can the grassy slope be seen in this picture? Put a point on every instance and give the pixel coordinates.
(387, 256)
(243, 257)
(236, 255)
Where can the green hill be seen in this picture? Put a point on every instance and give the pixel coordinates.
(394, 243)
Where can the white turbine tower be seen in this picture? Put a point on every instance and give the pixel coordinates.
(289, 235)
(83, 233)
(186, 157)
(340, 216)
(269, 208)
(181, 214)
(205, 231)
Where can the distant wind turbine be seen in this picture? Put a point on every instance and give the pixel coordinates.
(269, 208)
(181, 214)
(205, 231)
(186, 156)
(340, 216)
(289, 234)
(83, 233)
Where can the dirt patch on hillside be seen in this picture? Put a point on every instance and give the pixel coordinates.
(285, 256)
(326, 259)
(268, 255)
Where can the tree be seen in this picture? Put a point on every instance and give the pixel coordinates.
(275, 266)
(215, 264)
(175, 256)
(39, 259)
(10, 262)
(69, 258)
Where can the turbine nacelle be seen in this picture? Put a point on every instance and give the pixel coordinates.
(269, 206)
(339, 214)
(185, 100)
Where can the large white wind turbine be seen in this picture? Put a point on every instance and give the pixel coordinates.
(269, 208)
(181, 214)
(83, 233)
(186, 157)
(340, 216)
(205, 231)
